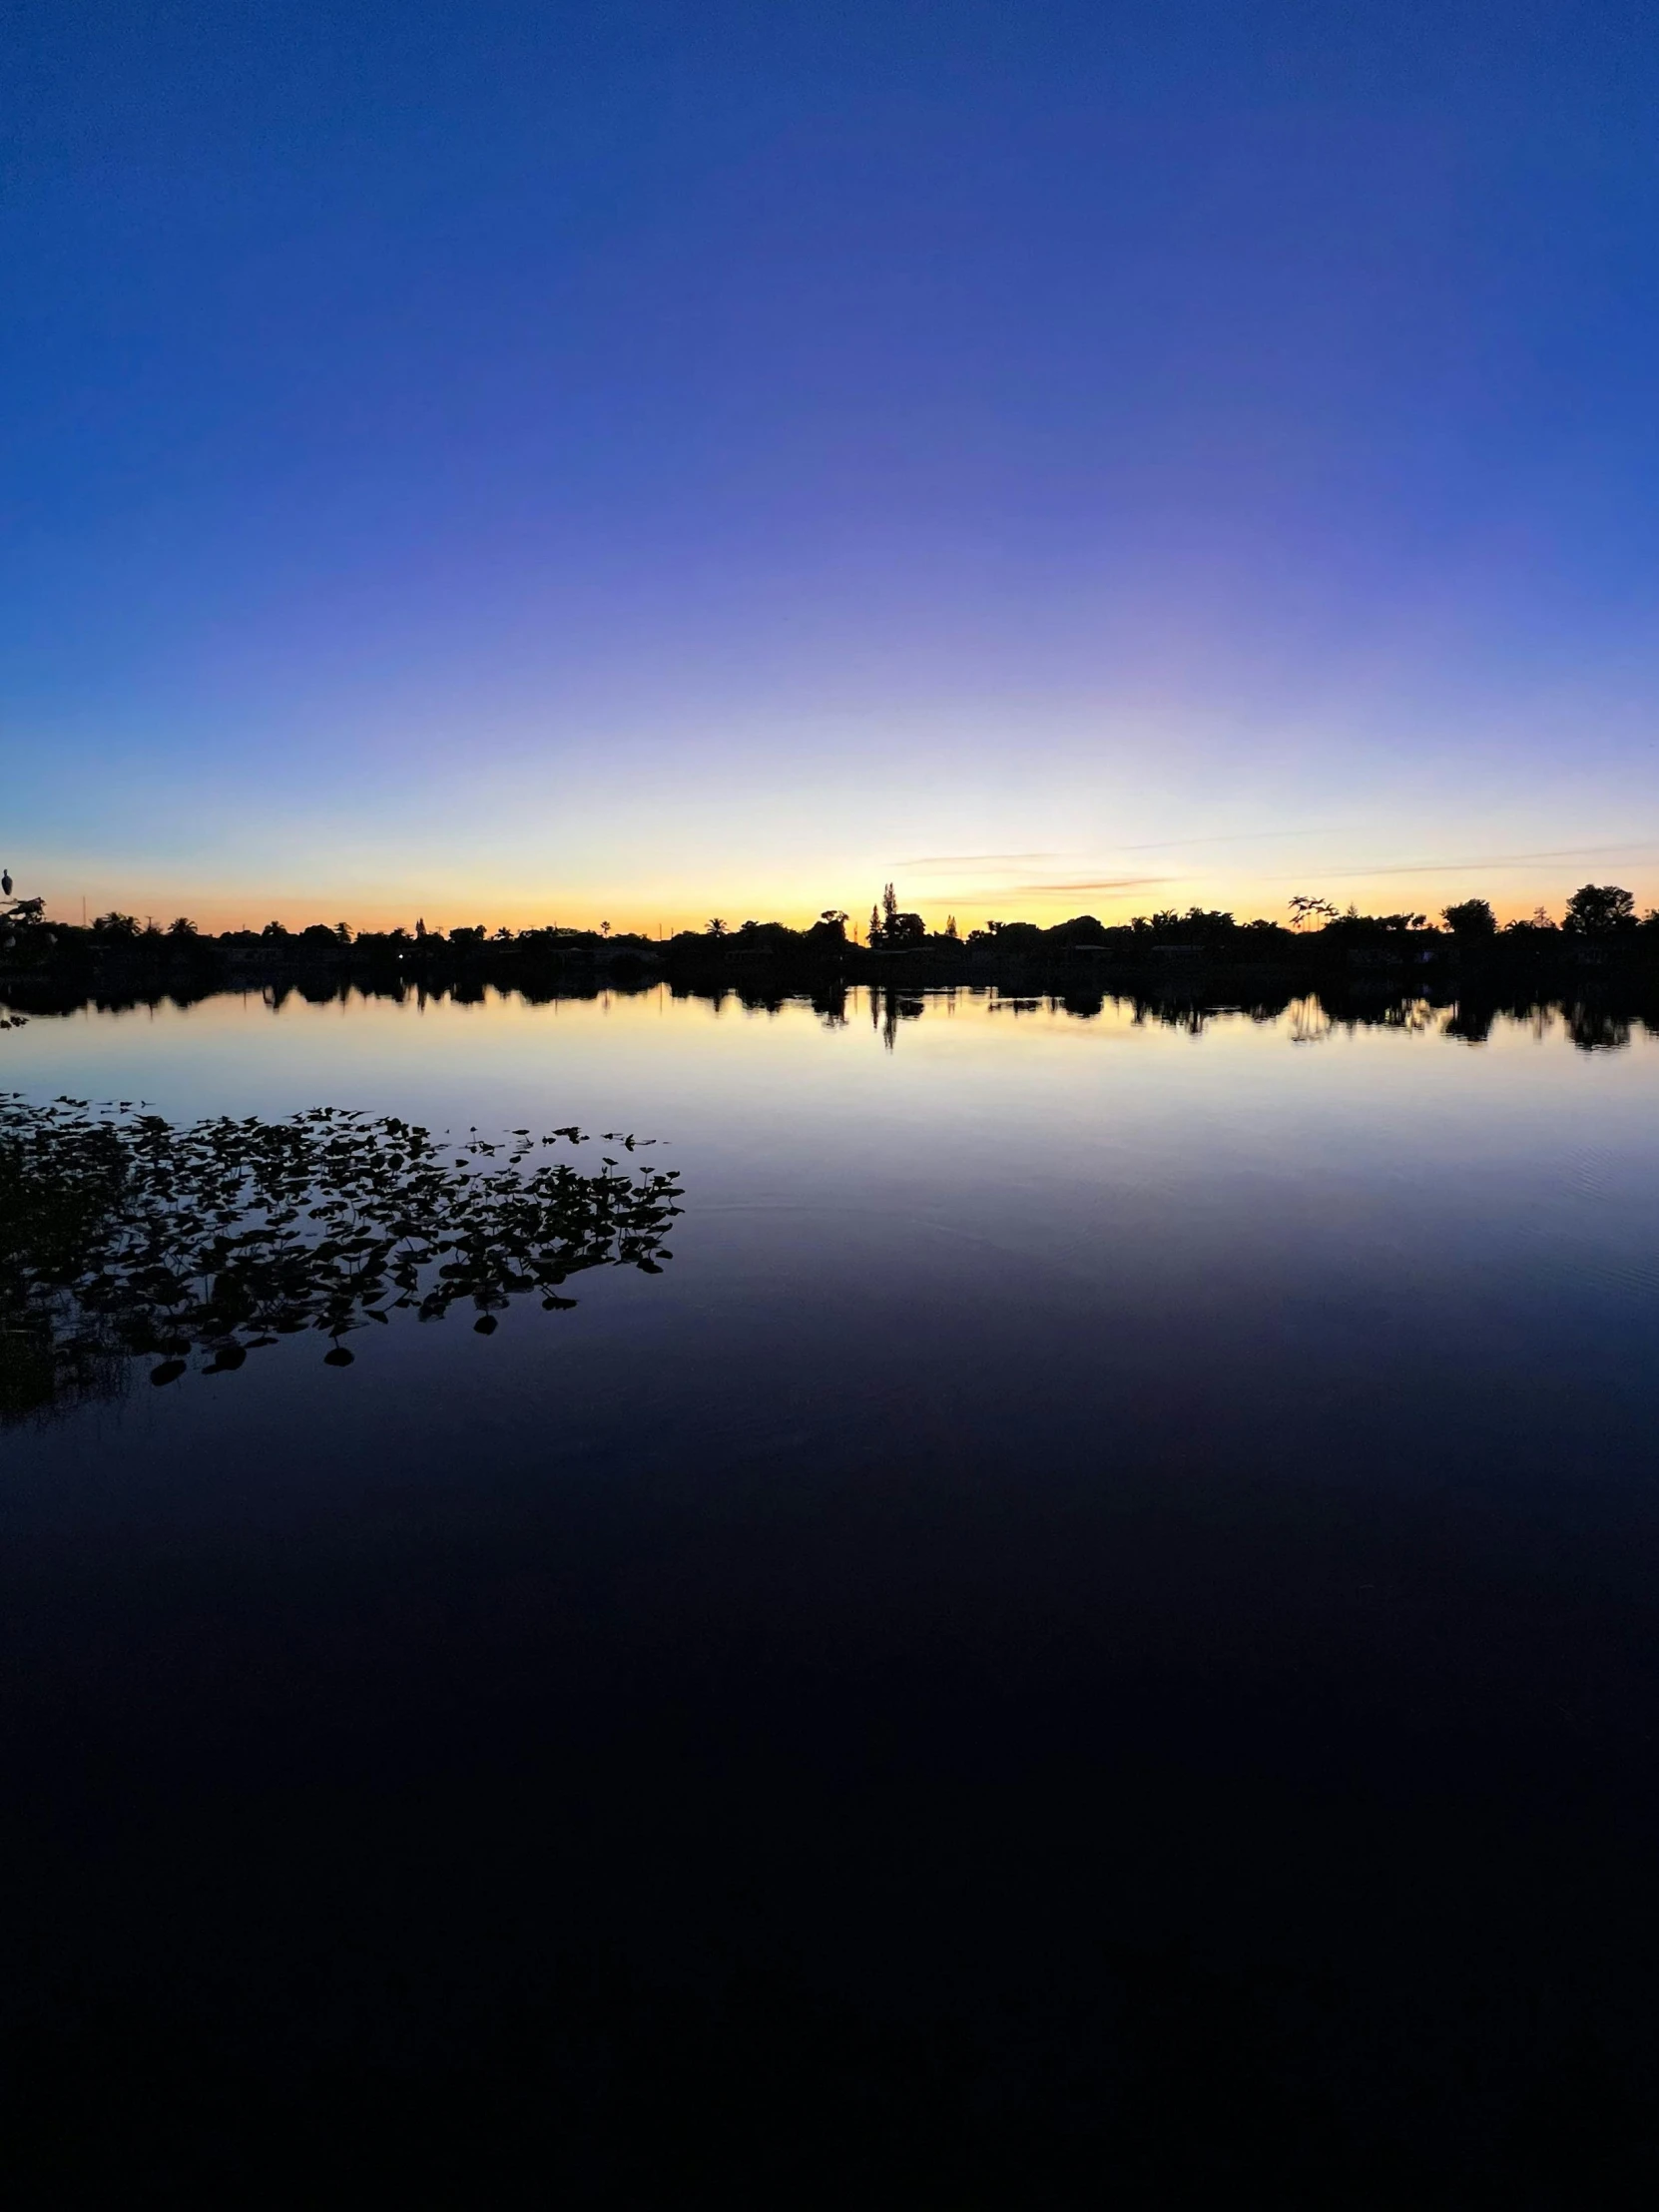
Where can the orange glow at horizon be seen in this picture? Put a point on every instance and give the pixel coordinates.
(1045, 904)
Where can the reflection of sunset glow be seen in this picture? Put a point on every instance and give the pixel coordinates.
(503, 1036)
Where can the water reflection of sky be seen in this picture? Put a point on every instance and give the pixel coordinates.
(1110, 1158)
(1047, 1429)
(1103, 1212)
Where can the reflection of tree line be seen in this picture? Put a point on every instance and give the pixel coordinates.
(1592, 1024)
(1597, 1023)
(126, 1237)
(1601, 1015)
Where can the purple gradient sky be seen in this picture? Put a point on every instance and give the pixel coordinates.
(644, 461)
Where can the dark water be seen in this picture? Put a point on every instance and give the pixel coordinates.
(1096, 1630)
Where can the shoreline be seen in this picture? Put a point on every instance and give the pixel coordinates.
(204, 965)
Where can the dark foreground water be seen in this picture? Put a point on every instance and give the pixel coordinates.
(1094, 1633)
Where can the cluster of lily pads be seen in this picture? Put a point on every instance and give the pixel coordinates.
(123, 1236)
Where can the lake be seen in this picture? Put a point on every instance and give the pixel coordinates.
(1098, 1616)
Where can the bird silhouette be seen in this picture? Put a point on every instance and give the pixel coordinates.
(6, 884)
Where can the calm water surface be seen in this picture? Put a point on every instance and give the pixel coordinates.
(1099, 1617)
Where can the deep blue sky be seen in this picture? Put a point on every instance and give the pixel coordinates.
(644, 460)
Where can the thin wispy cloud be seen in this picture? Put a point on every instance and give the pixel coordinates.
(1237, 836)
(1152, 844)
(976, 860)
(1094, 883)
(1498, 860)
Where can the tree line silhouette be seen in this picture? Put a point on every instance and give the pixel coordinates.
(1600, 925)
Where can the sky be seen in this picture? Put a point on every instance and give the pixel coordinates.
(642, 461)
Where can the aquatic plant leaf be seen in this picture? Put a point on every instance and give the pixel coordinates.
(122, 1236)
